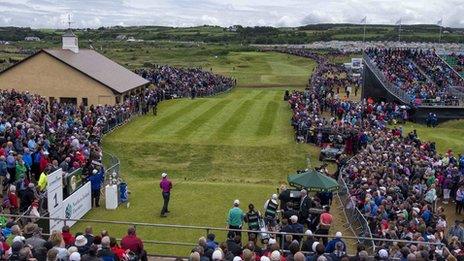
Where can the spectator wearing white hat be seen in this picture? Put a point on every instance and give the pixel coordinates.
(270, 210)
(296, 227)
(166, 186)
(331, 245)
(235, 217)
(307, 245)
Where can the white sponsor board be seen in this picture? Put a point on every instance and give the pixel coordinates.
(55, 196)
(74, 206)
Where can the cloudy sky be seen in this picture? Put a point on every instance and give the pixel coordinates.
(96, 13)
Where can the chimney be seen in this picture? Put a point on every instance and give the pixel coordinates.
(70, 41)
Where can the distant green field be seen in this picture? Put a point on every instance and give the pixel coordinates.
(237, 145)
(448, 135)
(250, 68)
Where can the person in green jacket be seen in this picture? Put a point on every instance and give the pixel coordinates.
(21, 168)
(235, 217)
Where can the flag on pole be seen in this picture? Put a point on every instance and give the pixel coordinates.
(440, 22)
(398, 22)
(364, 20)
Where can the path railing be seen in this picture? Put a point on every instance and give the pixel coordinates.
(355, 219)
(397, 92)
(199, 231)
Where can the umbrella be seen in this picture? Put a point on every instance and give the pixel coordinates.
(313, 181)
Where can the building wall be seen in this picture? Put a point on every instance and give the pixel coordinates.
(46, 76)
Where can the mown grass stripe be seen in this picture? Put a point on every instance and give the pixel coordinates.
(196, 123)
(279, 96)
(230, 126)
(164, 122)
(267, 119)
(257, 95)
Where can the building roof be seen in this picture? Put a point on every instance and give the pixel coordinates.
(68, 33)
(100, 68)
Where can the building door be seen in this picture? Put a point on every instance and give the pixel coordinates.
(68, 100)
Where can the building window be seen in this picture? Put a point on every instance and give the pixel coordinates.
(68, 100)
(118, 99)
(85, 101)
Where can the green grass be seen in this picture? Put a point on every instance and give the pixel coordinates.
(236, 145)
(251, 69)
(448, 135)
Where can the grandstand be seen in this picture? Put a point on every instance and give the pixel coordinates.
(416, 78)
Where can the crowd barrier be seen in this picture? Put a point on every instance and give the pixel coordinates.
(356, 221)
(197, 230)
(397, 92)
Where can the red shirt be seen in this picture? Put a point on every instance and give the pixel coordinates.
(68, 238)
(13, 200)
(119, 252)
(326, 218)
(133, 243)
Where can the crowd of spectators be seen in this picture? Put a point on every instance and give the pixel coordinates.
(28, 243)
(422, 75)
(186, 82)
(394, 178)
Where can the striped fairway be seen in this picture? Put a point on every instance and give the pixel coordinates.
(234, 145)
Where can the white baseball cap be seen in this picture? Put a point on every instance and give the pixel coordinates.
(338, 234)
(294, 218)
(308, 232)
(275, 255)
(383, 253)
(164, 175)
(272, 241)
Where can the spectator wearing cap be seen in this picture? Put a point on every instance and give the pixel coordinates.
(166, 186)
(270, 210)
(36, 241)
(307, 245)
(331, 245)
(296, 227)
(382, 254)
(134, 244)
(235, 217)
(81, 244)
(96, 181)
(13, 200)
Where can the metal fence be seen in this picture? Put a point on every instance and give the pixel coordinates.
(397, 92)
(194, 232)
(355, 219)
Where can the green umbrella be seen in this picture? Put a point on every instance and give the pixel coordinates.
(313, 181)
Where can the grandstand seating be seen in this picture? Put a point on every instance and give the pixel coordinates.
(422, 75)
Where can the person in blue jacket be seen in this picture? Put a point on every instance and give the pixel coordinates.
(96, 181)
(331, 245)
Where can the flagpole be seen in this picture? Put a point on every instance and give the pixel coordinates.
(439, 35)
(399, 33)
(364, 34)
